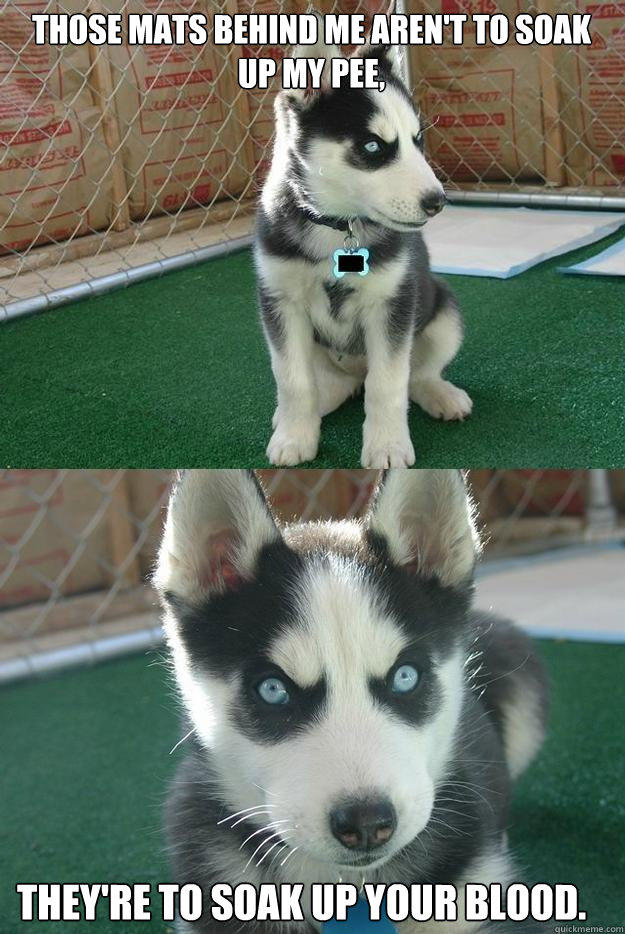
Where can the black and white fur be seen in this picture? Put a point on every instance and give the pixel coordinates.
(332, 609)
(395, 329)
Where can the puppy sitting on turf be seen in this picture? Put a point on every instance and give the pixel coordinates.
(349, 175)
(350, 716)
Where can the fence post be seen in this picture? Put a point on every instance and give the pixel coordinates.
(600, 511)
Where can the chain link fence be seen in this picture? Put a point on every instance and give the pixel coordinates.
(119, 162)
(77, 546)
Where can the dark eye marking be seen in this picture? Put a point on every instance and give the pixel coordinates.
(410, 689)
(270, 707)
(372, 152)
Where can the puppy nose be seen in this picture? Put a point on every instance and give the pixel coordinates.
(433, 202)
(361, 825)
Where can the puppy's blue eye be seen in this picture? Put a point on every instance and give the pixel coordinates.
(405, 679)
(273, 691)
(372, 146)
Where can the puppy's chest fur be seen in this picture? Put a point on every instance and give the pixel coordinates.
(341, 310)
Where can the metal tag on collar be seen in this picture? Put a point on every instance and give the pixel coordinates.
(352, 258)
(359, 922)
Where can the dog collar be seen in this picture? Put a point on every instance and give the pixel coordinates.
(335, 223)
(359, 922)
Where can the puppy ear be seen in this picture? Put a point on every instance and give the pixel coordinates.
(217, 523)
(427, 520)
(385, 54)
(303, 97)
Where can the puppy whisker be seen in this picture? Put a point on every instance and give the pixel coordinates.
(288, 856)
(256, 807)
(272, 847)
(270, 826)
(259, 847)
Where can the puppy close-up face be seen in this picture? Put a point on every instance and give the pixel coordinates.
(323, 665)
(360, 152)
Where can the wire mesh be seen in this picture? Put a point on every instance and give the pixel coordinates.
(113, 157)
(77, 546)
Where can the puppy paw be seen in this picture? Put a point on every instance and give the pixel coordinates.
(441, 399)
(382, 450)
(293, 443)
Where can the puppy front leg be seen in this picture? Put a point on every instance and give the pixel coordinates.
(386, 439)
(296, 421)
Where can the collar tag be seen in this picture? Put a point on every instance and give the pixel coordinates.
(346, 261)
(352, 258)
(359, 922)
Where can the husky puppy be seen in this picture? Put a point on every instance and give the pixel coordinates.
(342, 155)
(351, 717)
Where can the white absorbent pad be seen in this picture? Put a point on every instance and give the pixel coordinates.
(610, 262)
(502, 242)
(574, 593)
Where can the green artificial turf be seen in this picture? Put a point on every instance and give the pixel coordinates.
(85, 760)
(174, 372)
